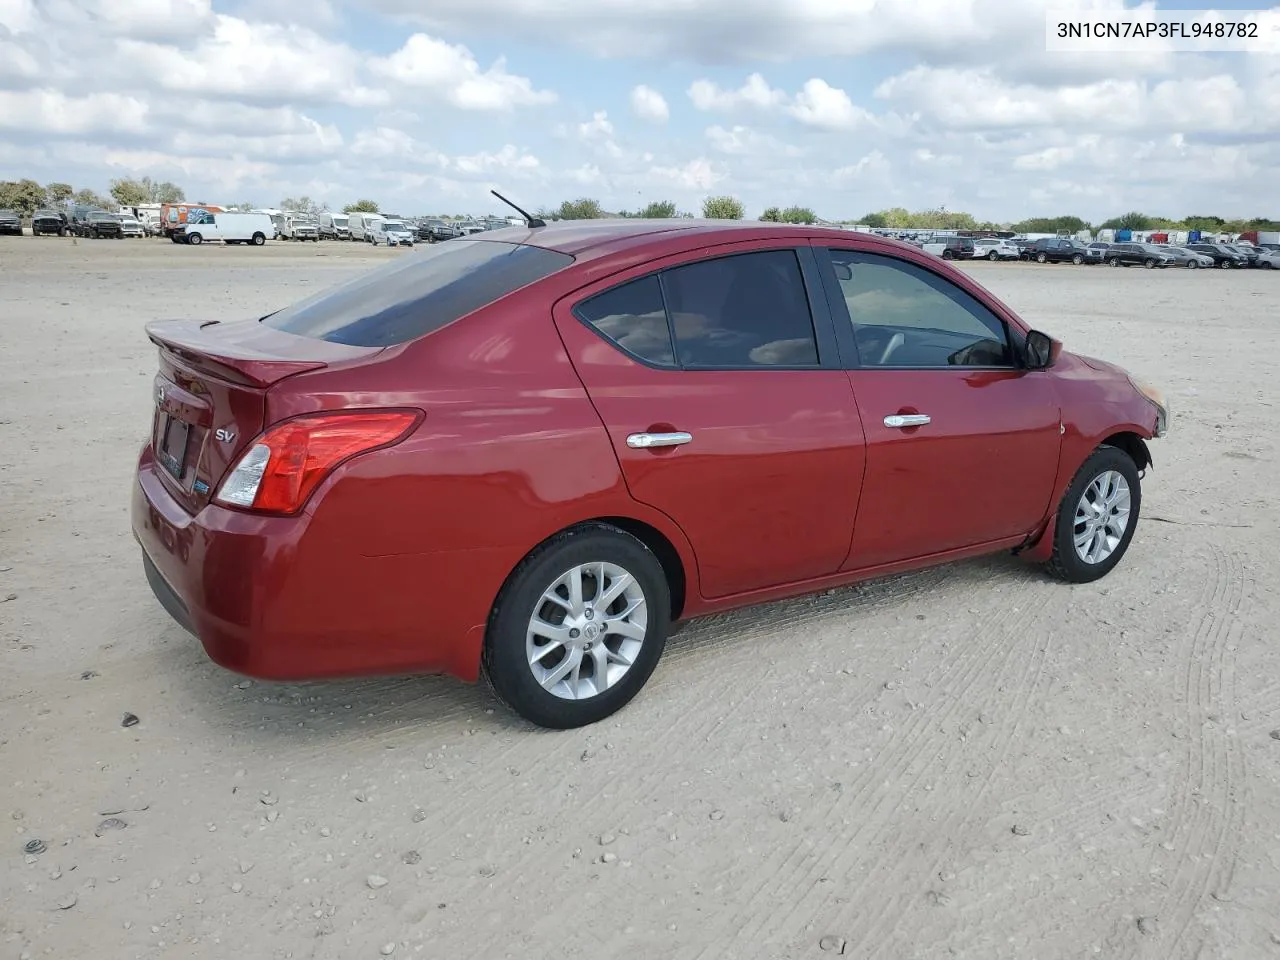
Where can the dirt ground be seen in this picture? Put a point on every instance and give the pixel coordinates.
(967, 762)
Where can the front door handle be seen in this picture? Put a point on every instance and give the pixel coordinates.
(643, 441)
(901, 420)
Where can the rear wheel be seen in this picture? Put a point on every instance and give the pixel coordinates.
(993, 256)
(1097, 517)
(1113, 262)
(948, 255)
(578, 628)
(259, 239)
(1077, 259)
(1042, 258)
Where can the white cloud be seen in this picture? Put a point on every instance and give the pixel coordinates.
(597, 128)
(699, 174)
(755, 93)
(509, 159)
(50, 111)
(451, 72)
(257, 62)
(744, 141)
(649, 104)
(818, 104)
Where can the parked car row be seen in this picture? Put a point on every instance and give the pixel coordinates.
(1070, 250)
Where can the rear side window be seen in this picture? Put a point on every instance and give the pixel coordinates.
(743, 311)
(418, 293)
(633, 316)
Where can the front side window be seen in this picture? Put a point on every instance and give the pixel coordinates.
(738, 312)
(906, 316)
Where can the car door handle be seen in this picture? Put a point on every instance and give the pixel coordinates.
(643, 441)
(901, 420)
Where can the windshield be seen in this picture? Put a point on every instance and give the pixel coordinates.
(408, 298)
(393, 225)
(339, 221)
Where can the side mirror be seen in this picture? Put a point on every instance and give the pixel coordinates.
(1041, 350)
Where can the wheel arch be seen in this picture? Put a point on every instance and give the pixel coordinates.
(1132, 444)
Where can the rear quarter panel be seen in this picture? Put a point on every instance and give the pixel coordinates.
(510, 452)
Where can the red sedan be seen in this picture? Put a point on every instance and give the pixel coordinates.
(525, 453)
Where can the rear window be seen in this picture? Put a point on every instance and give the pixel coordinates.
(419, 293)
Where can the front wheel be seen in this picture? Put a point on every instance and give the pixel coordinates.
(1192, 265)
(1225, 265)
(1149, 264)
(195, 238)
(1077, 259)
(1097, 517)
(1042, 258)
(578, 628)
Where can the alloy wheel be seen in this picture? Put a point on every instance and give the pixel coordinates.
(587, 630)
(1102, 516)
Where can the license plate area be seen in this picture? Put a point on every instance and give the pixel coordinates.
(172, 438)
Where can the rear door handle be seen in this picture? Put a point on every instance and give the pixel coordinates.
(643, 441)
(901, 420)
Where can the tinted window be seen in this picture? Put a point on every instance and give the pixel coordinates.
(747, 310)
(418, 294)
(905, 316)
(633, 317)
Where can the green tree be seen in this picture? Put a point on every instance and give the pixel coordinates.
(877, 220)
(583, 208)
(1069, 224)
(361, 206)
(22, 196)
(722, 208)
(128, 193)
(59, 192)
(306, 205)
(657, 210)
(799, 215)
(88, 198)
(772, 215)
(1133, 220)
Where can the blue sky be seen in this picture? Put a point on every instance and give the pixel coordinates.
(841, 105)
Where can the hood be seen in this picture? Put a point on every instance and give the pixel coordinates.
(1103, 366)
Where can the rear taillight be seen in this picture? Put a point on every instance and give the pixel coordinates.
(282, 469)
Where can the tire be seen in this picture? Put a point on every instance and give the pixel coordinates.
(1113, 262)
(1149, 264)
(1225, 265)
(1042, 258)
(1074, 513)
(259, 239)
(1077, 259)
(1193, 265)
(510, 650)
(993, 256)
(195, 239)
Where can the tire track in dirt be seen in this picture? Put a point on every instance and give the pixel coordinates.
(1207, 817)
(913, 754)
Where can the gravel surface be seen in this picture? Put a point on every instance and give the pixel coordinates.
(971, 761)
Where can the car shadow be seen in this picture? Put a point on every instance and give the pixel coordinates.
(395, 709)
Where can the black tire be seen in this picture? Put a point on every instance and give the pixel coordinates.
(259, 239)
(1193, 265)
(993, 256)
(1065, 563)
(1042, 258)
(506, 663)
(1149, 264)
(948, 255)
(1225, 265)
(1113, 262)
(195, 239)
(1078, 259)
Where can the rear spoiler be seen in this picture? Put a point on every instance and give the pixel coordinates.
(245, 353)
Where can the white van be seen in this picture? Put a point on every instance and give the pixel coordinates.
(394, 233)
(359, 224)
(252, 228)
(334, 226)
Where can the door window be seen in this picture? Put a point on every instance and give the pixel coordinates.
(905, 316)
(742, 311)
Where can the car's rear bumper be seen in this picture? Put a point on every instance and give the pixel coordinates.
(285, 598)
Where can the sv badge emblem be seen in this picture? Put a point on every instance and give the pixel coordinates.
(224, 435)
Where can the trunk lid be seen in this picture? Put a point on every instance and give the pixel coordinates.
(210, 394)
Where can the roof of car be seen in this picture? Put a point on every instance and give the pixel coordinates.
(575, 237)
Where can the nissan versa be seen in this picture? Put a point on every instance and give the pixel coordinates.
(524, 453)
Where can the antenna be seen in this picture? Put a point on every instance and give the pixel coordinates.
(532, 221)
